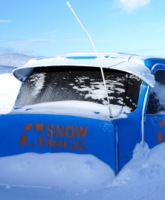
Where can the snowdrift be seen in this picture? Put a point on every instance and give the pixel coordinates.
(33, 176)
(69, 172)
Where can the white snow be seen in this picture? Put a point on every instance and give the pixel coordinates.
(159, 91)
(37, 82)
(9, 87)
(33, 176)
(55, 176)
(69, 172)
(75, 108)
(13, 59)
(127, 64)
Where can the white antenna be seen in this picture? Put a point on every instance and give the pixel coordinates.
(89, 36)
(94, 48)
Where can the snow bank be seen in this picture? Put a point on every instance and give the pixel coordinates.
(147, 165)
(141, 179)
(9, 87)
(69, 172)
(13, 59)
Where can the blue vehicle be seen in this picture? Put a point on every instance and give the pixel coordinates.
(99, 104)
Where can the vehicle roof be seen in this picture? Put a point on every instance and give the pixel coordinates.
(134, 64)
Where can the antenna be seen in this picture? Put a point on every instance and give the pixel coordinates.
(94, 48)
(89, 36)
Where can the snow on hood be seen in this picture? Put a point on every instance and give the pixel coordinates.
(69, 172)
(133, 66)
(74, 108)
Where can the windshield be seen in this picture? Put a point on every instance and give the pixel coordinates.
(51, 84)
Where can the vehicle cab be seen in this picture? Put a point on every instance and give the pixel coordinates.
(99, 104)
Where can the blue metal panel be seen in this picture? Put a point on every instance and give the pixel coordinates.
(81, 57)
(129, 130)
(150, 62)
(154, 129)
(129, 134)
(20, 133)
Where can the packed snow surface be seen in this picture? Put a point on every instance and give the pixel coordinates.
(54, 176)
(9, 87)
(13, 60)
(70, 172)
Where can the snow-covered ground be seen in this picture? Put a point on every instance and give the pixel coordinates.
(9, 87)
(49, 176)
(13, 59)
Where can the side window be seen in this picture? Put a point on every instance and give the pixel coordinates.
(157, 96)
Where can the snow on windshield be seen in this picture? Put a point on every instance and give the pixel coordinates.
(80, 84)
(37, 82)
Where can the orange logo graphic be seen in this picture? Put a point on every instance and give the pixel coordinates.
(28, 127)
(55, 136)
(160, 134)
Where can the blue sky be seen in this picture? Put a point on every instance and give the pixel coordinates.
(48, 27)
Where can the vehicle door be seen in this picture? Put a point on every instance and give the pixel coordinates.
(155, 114)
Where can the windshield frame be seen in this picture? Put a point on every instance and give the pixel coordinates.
(93, 69)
